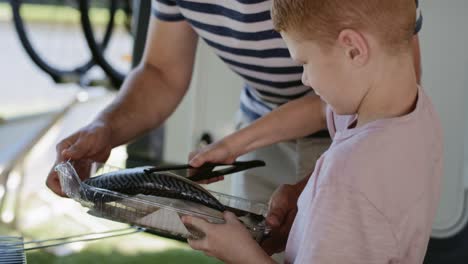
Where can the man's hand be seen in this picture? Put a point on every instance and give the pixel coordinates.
(281, 213)
(91, 143)
(218, 152)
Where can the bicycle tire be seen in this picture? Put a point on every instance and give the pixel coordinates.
(57, 74)
(116, 77)
(128, 10)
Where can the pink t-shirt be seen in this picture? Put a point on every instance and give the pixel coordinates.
(373, 195)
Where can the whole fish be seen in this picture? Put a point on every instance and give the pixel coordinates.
(163, 184)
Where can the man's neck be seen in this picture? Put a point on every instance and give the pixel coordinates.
(393, 92)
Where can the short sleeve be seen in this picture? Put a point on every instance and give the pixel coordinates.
(419, 18)
(342, 226)
(166, 10)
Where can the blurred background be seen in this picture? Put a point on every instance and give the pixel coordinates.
(60, 64)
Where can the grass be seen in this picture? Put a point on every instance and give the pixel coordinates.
(56, 14)
(91, 256)
(5, 12)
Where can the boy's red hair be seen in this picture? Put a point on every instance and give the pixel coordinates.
(392, 22)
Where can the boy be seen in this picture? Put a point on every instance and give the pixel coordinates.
(373, 195)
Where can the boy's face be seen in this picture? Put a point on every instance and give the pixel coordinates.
(328, 72)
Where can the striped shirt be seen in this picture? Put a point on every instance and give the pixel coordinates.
(241, 33)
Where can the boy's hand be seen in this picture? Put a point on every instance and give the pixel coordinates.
(229, 242)
(218, 152)
(281, 213)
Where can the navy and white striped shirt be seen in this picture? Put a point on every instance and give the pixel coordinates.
(242, 35)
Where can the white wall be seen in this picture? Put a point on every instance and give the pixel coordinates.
(444, 40)
(210, 106)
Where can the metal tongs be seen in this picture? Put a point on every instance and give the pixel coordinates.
(207, 171)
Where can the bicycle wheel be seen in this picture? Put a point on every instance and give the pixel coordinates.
(128, 10)
(50, 34)
(116, 60)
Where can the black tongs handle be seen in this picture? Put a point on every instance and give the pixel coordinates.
(206, 171)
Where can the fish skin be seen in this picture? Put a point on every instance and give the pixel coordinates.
(164, 184)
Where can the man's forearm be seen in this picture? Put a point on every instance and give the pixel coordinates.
(145, 101)
(293, 120)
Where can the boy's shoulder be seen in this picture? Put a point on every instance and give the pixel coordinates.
(402, 156)
(387, 145)
(381, 154)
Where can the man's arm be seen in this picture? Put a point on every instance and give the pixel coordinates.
(296, 119)
(152, 91)
(149, 95)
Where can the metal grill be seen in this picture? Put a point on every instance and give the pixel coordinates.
(12, 249)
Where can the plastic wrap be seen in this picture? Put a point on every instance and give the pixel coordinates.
(158, 214)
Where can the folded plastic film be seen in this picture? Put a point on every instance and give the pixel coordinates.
(69, 180)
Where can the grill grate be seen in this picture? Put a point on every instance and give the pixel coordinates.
(12, 250)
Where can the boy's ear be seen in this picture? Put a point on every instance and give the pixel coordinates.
(355, 46)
